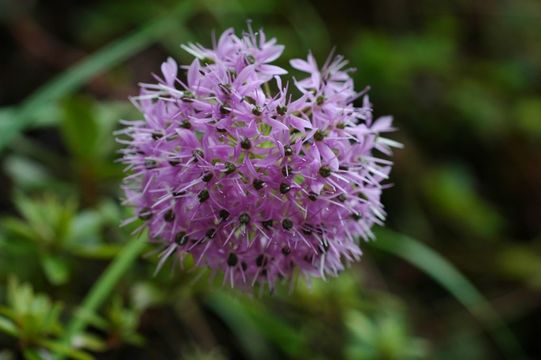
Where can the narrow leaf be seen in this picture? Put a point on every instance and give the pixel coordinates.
(449, 277)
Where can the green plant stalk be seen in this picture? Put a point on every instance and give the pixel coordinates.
(103, 288)
(448, 276)
(103, 59)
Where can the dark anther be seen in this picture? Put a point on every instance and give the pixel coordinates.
(197, 153)
(174, 162)
(177, 194)
(169, 215)
(307, 231)
(151, 164)
(286, 170)
(207, 177)
(356, 216)
(224, 110)
(319, 135)
(324, 245)
(203, 196)
(246, 144)
(224, 214)
(343, 168)
(157, 135)
(267, 224)
(261, 260)
(342, 197)
(288, 151)
(353, 141)
(284, 188)
(207, 61)
(188, 96)
(181, 238)
(211, 233)
(250, 59)
(287, 224)
(229, 168)
(244, 218)
(244, 266)
(312, 196)
(186, 124)
(258, 184)
(325, 171)
(341, 125)
(256, 111)
(145, 214)
(286, 250)
(320, 99)
(232, 259)
(226, 88)
(221, 130)
(281, 110)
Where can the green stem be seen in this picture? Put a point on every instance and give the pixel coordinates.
(103, 288)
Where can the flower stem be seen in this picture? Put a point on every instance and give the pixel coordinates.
(103, 288)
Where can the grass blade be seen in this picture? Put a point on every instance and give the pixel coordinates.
(448, 276)
(77, 75)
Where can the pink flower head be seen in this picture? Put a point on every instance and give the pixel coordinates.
(257, 185)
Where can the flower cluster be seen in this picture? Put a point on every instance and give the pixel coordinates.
(232, 168)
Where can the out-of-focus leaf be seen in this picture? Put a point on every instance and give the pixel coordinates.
(80, 127)
(438, 268)
(59, 348)
(7, 326)
(523, 263)
(56, 269)
(384, 337)
(89, 342)
(102, 60)
(233, 313)
(451, 191)
(480, 107)
(31, 354)
(528, 117)
(26, 173)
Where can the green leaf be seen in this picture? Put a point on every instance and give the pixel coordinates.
(7, 326)
(104, 287)
(80, 127)
(80, 73)
(233, 313)
(56, 269)
(31, 354)
(443, 272)
(60, 348)
(90, 342)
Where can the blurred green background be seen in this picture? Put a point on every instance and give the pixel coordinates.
(463, 81)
